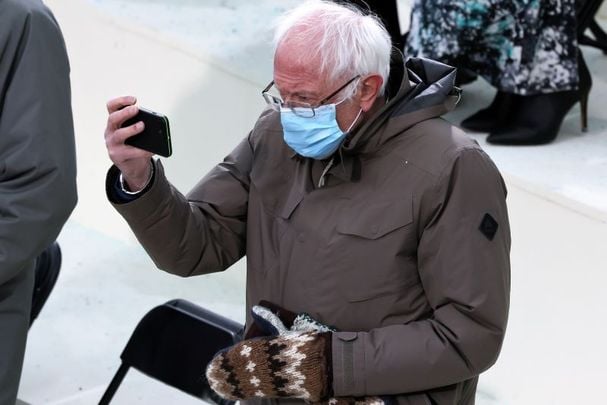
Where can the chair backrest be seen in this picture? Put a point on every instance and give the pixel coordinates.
(175, 341)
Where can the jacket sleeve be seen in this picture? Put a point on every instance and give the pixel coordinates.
(464, 267)
(202, 233)
(37, 153)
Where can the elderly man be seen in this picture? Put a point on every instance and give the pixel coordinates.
(354, 204)
(37, 166)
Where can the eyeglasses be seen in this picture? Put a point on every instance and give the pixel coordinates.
(299, 108)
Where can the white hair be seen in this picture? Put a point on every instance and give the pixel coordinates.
(346, 41)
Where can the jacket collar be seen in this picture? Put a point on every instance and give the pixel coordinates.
(427, 91)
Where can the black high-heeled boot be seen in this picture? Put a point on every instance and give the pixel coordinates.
(493, 117)
(538, 118)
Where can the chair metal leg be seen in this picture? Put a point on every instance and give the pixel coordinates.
(114, 384)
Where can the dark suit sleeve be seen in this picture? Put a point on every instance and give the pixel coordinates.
(37, 153)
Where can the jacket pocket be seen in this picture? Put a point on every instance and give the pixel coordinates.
(377, 219)
(364, 295)
(379, 242)
(278, 202)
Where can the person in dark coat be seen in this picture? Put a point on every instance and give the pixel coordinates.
(37, 166)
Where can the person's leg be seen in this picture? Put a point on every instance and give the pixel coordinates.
(520, 47)
(527, 49)
(549, 75)
(541, 56)
(15, 306)
(447, 31)
(537, 118)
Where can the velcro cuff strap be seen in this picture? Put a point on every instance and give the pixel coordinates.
(348, 350)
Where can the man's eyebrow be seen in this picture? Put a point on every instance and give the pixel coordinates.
(300, 93)
(304, 93)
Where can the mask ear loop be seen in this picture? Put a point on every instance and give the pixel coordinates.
(355, 119)
(359, 111)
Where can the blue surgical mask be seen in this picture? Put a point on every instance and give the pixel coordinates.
(316, 137)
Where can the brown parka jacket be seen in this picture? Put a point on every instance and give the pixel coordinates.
(402, 243)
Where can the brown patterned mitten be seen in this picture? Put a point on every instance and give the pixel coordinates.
(271, 319)
(293, 365)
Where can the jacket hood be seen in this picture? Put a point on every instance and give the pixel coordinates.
(427, 90)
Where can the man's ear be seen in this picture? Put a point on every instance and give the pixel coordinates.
(369, 89)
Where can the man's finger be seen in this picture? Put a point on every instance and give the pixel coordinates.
(117, 118)
(122, 134)
(118, 103)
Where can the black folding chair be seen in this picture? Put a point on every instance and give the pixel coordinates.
(173, 343)
(586, 20)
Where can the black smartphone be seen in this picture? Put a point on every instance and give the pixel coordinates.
(155, 137)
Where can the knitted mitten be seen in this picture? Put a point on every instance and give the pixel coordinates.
(293, 365)
(271, 319)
